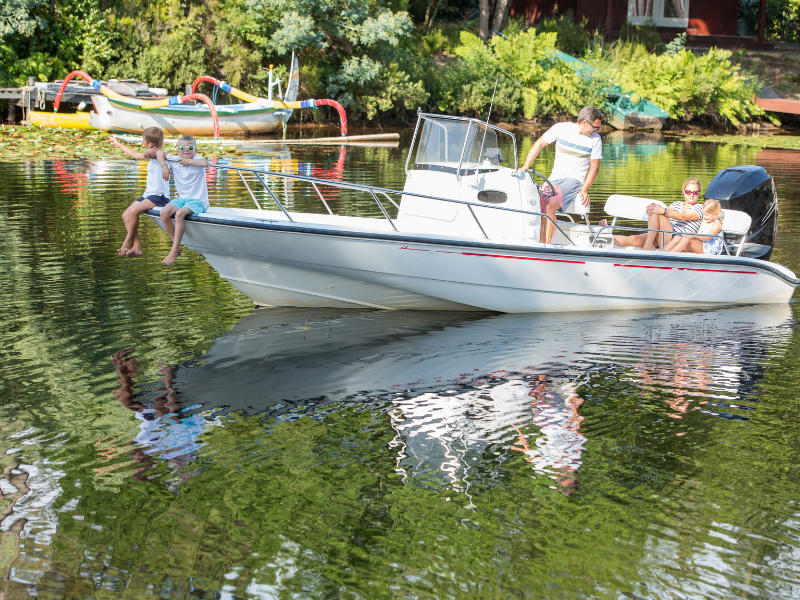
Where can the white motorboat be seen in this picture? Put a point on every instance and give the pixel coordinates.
(465, 237)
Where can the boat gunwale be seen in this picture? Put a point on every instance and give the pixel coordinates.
(194, 111)
(570, 251)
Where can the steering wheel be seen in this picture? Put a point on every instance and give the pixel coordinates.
(542, 190)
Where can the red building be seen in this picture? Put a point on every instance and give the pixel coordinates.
(706, 22)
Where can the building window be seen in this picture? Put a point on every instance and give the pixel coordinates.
(663, 13)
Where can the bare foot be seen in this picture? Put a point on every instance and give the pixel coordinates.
(648, 248)
(133, 252)
(170, 258)
(122, 250)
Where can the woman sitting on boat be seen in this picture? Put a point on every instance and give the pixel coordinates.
(680, 216)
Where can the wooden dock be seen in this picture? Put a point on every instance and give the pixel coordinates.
(377, 139)
(780, 105)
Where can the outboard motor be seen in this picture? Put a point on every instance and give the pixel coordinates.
(749, 189)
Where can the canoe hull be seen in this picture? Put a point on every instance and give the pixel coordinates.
(277, 263)
(633, 120)
(234, 120)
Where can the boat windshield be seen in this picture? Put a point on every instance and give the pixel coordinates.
(457, 145)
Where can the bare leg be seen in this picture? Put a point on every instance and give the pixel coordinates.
(696, 246)
(654, 239)
(180, 225)
(548, 229)
(132, 246)
(678, 243)
(166, 220)
(625, 241)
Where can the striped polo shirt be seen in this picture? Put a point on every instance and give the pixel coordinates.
(573, 151)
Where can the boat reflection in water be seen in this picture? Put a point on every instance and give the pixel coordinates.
(455, 385)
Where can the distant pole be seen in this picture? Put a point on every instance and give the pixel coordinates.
(188, 89)
(762, 21)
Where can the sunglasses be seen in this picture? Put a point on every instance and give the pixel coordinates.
(183, 148)
(596, 129)
(692, 192)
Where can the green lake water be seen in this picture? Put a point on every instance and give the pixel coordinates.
(160, 437)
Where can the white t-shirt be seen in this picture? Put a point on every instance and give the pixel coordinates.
(156, 186)
(190, 181)
(573, 151)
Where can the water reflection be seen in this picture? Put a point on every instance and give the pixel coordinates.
(459, 385)
(271, 453)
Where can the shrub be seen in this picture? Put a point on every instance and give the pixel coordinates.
(571, 37)
(683, 84)
(646, 35)
(531, 81)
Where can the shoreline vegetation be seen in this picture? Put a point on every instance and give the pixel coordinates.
(382, 59)
(28, 142)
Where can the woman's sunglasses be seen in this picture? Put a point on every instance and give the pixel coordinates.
(185, 148)
(692, 192)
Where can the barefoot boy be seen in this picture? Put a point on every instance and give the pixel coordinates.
(156, 192)
(188, 171)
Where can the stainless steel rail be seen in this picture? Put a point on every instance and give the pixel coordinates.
(662, 232)
(373, 191)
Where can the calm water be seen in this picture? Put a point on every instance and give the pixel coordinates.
(161, 438)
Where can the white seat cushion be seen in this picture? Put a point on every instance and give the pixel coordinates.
(735, 221)
(629, 207)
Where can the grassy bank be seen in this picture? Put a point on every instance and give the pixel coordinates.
(780, 142)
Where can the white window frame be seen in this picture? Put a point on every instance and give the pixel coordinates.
(658, 18)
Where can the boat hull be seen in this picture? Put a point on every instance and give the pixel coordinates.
(234, 120)
(633, 120)
(277, 263)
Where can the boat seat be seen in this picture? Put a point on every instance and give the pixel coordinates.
(629, 207)
(734, 222)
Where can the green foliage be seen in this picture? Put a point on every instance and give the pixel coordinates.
(532, 82)
(683, 84)
(676, 45)
(572, 37)
(21, 17)
(433, 42)
(783, 18)
(646, 35)
(14, 71)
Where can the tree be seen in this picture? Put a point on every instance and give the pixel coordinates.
(494, 13)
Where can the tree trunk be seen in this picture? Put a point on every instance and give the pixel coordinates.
(500, 15)
(430, 13)
(483, 24)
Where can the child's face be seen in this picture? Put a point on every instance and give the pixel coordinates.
(709, 216)
(186, 149)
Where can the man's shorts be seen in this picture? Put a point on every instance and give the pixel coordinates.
(566, 191)
(193, 205)
(161, 201)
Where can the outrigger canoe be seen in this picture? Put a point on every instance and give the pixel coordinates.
(116, 113)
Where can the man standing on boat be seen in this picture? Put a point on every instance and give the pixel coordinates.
(579, 151)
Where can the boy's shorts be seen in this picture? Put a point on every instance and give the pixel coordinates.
(161, 201)
(566, 191)
(193, 205)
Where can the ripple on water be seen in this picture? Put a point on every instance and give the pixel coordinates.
(159, 436)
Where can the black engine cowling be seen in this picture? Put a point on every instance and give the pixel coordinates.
(750, 189)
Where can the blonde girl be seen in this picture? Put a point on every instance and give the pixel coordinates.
(703, 241)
